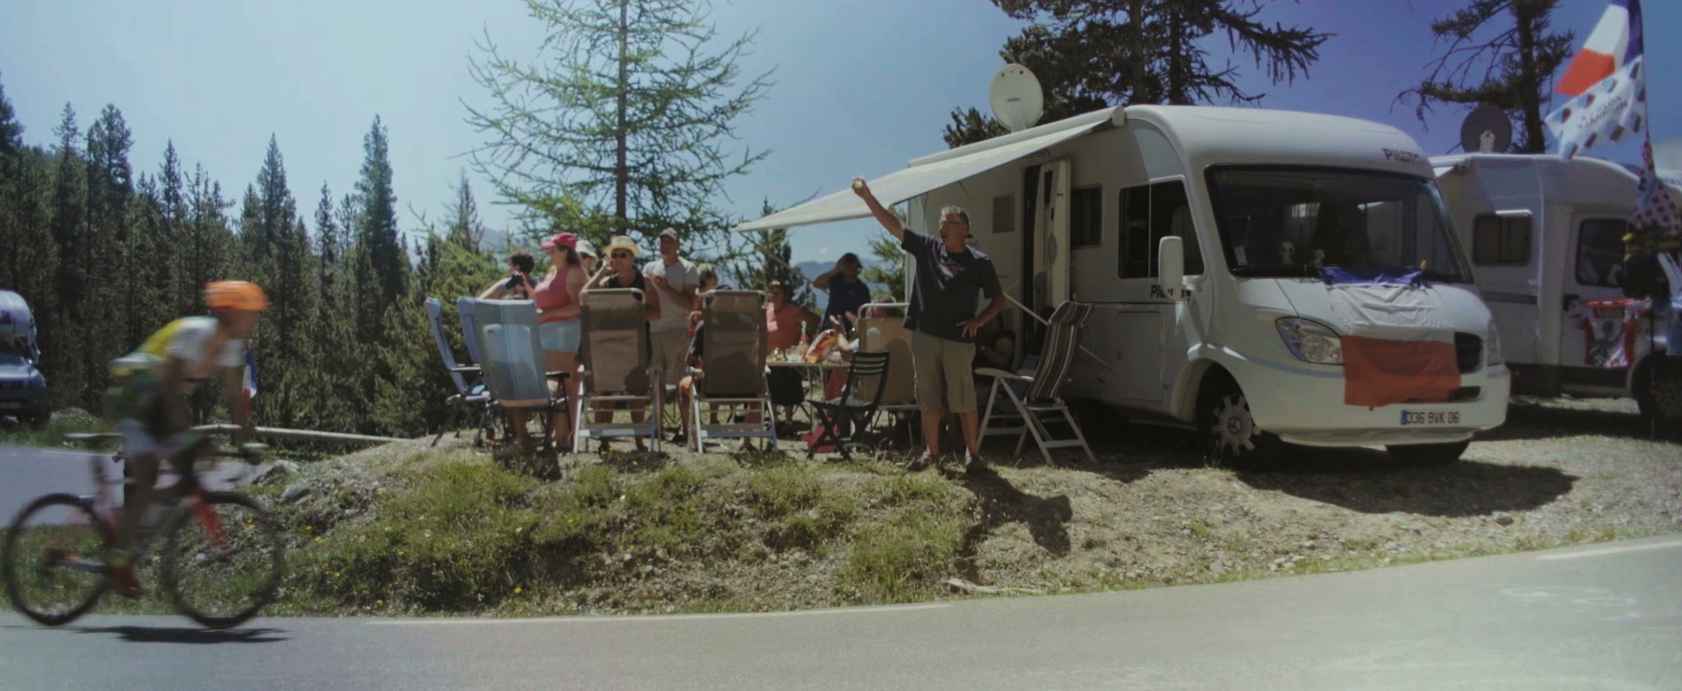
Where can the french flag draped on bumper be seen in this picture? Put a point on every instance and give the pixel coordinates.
(1394, 349)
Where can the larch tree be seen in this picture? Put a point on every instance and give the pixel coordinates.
(630, 107)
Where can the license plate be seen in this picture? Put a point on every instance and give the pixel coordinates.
(1430, 417)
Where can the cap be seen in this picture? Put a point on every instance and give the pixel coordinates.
(562, 240)
(669, 233)
(622, 242)
(585, 248)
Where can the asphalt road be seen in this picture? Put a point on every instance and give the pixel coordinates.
(1602, 617)
(27, 473)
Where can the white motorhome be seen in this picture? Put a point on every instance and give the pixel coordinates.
(1195, 230)
(1546, 236)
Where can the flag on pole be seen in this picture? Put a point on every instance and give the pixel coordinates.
(1655, 207)
(1606, 82)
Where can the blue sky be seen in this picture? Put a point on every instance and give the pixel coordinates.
(860, 87)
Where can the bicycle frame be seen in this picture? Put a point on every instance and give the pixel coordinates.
(105, 509)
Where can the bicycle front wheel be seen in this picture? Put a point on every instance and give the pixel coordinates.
(223, 560)
(54, 559)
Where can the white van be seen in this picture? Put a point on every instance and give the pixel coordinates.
(1546, 236)
(1193, 231)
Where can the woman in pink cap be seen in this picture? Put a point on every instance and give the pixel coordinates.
(556, 297)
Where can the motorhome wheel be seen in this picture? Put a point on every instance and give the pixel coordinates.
(1659, 392)
(1233, 435)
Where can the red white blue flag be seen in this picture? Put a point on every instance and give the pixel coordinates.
(1606, 82)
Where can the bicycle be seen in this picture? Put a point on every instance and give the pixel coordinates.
(222, 558)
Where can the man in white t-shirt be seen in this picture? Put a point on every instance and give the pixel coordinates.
(676, 278)
(149, 400)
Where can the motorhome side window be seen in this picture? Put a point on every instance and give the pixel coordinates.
(1086, 217)
(1600, 251)
(1148, 214)
(1498, 241)
(1295, 221)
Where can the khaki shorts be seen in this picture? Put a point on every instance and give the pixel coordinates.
(671, 353)
(944, 372)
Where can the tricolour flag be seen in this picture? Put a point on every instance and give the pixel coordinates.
(1606, 82)
(1614, 43)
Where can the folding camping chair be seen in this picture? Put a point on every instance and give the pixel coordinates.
(473, 399)
(887, 334)
(853, 408)
(1034, 399)
(616, 367)
(733, 368)
(512, 369)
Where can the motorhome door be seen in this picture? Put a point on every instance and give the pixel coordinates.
(1051, 270)
(1594, 272)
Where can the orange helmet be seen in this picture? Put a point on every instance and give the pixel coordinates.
(235, 295)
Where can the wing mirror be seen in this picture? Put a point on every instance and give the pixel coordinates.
(1171, 267)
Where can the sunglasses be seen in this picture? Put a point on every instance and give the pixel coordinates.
(620, 255)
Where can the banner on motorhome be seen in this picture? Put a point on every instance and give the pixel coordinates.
(1606, 82)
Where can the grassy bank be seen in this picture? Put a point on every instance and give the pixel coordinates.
(405, 529)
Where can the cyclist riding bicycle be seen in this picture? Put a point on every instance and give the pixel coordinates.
(149, 400)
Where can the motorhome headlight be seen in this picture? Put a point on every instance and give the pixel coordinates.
(1311, 341)
(1492, 347)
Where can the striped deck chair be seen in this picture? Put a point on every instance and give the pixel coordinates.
(733, 367)
(615, 354)
(1024, 404)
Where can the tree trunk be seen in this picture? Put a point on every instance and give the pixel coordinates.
(621, 175)
(1528, 96)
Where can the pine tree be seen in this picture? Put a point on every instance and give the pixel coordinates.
(1511, 69)
(172, 196)
(628, 107)
(110, 324)
(465, 228)
(1091, 53)
(377, 230)
(11, 131)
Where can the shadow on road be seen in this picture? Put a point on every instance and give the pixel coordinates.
(1534, 421)
(1047, 518)
(193, 636)
(1369, 481)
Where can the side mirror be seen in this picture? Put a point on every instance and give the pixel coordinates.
(1171, 266)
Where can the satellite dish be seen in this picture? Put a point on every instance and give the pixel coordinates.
(1486, 130)
(1016, 97)
(1667, 154)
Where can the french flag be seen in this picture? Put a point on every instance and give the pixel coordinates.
(1606, 83)
(1615, 42)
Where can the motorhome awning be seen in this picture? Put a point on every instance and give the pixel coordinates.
(937, 170)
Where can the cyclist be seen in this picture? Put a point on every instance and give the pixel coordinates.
(149, 400)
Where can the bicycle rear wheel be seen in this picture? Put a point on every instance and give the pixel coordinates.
(54, 559)
(223, 560)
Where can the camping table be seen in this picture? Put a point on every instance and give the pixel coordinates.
(811, 374)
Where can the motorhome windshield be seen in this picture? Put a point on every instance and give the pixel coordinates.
(1276, 221)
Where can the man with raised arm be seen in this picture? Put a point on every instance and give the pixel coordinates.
(943, 321)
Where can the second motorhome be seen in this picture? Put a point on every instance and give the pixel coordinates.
(1207, 238)
(1546, 237)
